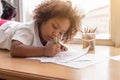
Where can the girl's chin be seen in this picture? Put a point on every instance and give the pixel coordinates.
(50, 40)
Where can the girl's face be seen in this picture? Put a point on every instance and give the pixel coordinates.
(55, 27)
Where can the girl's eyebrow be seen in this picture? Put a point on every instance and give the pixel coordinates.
(58, 26)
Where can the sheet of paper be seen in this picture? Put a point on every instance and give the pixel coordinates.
(115, 58)
(64, 56)
(83, 61)
(73, 59)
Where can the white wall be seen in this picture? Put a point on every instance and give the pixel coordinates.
(28, 9)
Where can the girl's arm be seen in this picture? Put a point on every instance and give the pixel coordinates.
(18, 49)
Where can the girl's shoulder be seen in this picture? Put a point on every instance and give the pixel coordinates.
(30, 23)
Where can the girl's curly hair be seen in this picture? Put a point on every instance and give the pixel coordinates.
(58, 8)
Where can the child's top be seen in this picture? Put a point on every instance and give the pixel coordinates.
(26, 33)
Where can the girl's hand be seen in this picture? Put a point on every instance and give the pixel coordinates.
(52, 49)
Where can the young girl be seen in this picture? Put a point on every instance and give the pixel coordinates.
(53, 19)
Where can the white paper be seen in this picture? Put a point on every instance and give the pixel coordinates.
(73, 59)
(84, 61)
(115, 58)
(63, 56)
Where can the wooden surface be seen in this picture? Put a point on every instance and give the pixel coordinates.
(26, 69)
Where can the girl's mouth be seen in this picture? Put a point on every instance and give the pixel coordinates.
(50, 38)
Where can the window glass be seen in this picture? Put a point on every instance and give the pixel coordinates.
(28, 8)
(96, 15)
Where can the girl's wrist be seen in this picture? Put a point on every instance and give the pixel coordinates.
(44, 51)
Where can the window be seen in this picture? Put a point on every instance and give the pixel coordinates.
(99, 13)
(27, 10)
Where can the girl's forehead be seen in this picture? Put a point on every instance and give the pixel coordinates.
(62, 22)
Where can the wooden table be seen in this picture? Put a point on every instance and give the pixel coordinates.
(26, 69)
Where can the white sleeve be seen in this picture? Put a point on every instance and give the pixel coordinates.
(23, 35)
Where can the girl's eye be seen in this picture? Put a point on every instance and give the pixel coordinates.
(55, 27)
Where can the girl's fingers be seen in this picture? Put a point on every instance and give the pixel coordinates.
(58, 50)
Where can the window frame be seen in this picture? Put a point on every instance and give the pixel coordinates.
(114, 40)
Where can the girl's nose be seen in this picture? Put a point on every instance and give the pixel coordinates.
(56, 34)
